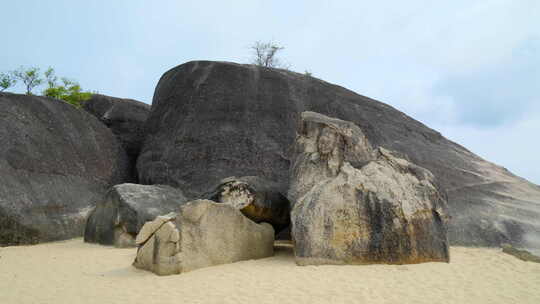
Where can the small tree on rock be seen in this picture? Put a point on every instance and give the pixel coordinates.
(6, 81)
(50, 77)
(30, 77)
(69, 91)
(264, 54)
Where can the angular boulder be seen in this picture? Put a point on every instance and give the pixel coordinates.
(125, 118)
(257, 198)
(117, 219)
(211, 120)
(56, 162)
(355, 206)
(203, 233)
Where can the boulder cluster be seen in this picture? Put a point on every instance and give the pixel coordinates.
(349, 204)
(230, 157)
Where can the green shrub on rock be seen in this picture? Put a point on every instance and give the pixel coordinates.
(69, 91)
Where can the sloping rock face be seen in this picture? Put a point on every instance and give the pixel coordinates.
(257, 198)
(523, 255)
(118, 218)
(56, 162)
(125, 118)
(202, 234)
(358, 207)
(211, 120)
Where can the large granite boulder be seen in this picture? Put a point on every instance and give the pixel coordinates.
(117, 219)
(203, 233)
(257, 198)
(353, 206)
(56, 163)
(211, 120)
(125, 118)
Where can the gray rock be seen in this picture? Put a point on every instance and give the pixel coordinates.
(125, 118)
(521, 254)
(204, 233)
(118, 218)
(56, 162)
(386, 210)
(259, 199)
(211, 120)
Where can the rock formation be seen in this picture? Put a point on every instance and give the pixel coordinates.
(202, 234)
(350, 210)
(521, 254)
(125, 118)
(117, 219)
(322, 146)
(56, 162)
(211, 120)
(259, 199)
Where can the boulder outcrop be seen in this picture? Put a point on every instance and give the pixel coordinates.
(125, 118)
(56, 162)
(203, 233)
(355, 206)
(259, 199)
(211, 120)
(117, 219)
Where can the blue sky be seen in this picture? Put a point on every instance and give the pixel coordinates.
(469, 69)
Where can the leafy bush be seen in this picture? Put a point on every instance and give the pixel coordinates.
(69, 91)
(6, 81)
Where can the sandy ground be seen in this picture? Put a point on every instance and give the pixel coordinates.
(75, 272)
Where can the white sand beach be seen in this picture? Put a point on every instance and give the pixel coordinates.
(76, 272)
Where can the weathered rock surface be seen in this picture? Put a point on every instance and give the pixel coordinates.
(350, 210)
(259, 199)
(150, 227)
(322, 146)
(204, 233)
(521, 254)
(125, 118)
(117, 219)
(211, 120)
(56, 162)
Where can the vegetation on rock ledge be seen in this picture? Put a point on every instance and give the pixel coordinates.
(60, 88)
